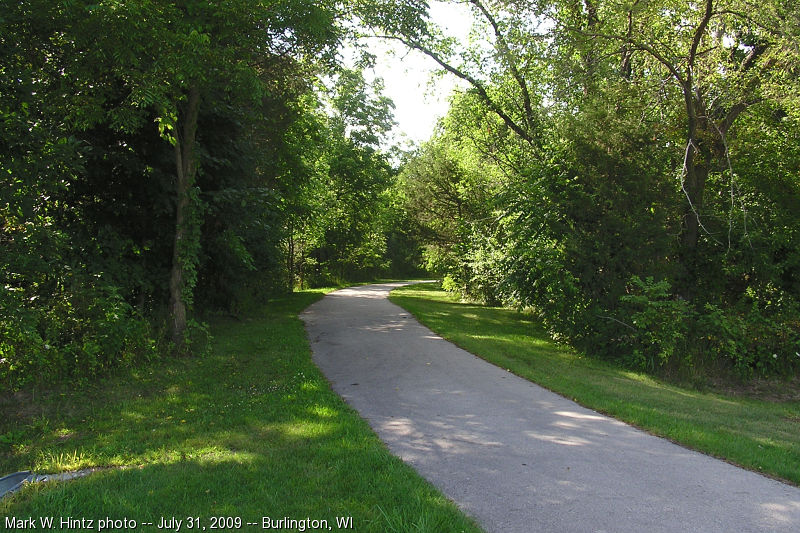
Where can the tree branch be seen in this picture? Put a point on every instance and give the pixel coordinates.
(506, 52)
(699, 31)
(658, 56)
(484, 95)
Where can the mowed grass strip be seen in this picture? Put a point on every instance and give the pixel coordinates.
(760, 435)
(251, 431)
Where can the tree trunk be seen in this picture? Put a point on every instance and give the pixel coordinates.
(301, 266)
(290, 264)
(699, 154)
(186, 169)
(590, 56)
(626, 69)
(694, 187)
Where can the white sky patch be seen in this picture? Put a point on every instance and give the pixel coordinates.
(420, 97)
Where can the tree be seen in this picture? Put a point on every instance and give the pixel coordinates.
(175, 58)
(625, 133)
(154, 152)
(336, 227)
(724, 57)
(509, 62)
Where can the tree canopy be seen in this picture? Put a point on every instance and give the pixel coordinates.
(625, 169)
(164, 156)
(633, 206)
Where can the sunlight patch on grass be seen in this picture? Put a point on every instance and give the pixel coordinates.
(220, 457)
(51, 461)
(309, 386)
(323, 411)
(306, 429)
(637, 376)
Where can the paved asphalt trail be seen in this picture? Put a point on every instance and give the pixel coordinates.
(513, 455)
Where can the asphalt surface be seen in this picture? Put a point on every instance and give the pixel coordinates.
(514, 456)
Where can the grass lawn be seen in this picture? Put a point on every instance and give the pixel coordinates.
(760, 435)
(250, 431)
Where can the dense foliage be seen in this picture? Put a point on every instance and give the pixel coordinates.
(161, 160)
(627, 170)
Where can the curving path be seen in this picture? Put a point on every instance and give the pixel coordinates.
(513, 455)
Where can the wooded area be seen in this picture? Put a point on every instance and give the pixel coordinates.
(627, 170)
(164, 158)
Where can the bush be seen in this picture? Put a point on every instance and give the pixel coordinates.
(485, 264)
(753, 342)
(660, 324)
(537, 278)
(667, 333)
(77, 334)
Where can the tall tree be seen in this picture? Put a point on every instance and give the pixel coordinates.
(632, 121)
(173, 59)
(335, 227)
(723, 56)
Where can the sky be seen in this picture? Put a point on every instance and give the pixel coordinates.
(419, 102)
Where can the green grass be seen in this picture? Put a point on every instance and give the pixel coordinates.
(760, 435)
(251, 430)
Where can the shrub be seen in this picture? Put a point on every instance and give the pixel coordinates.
(660, 325)
(754, 342)
(77, 333)
(668, 333)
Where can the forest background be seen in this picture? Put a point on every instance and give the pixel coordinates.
(628, 171)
